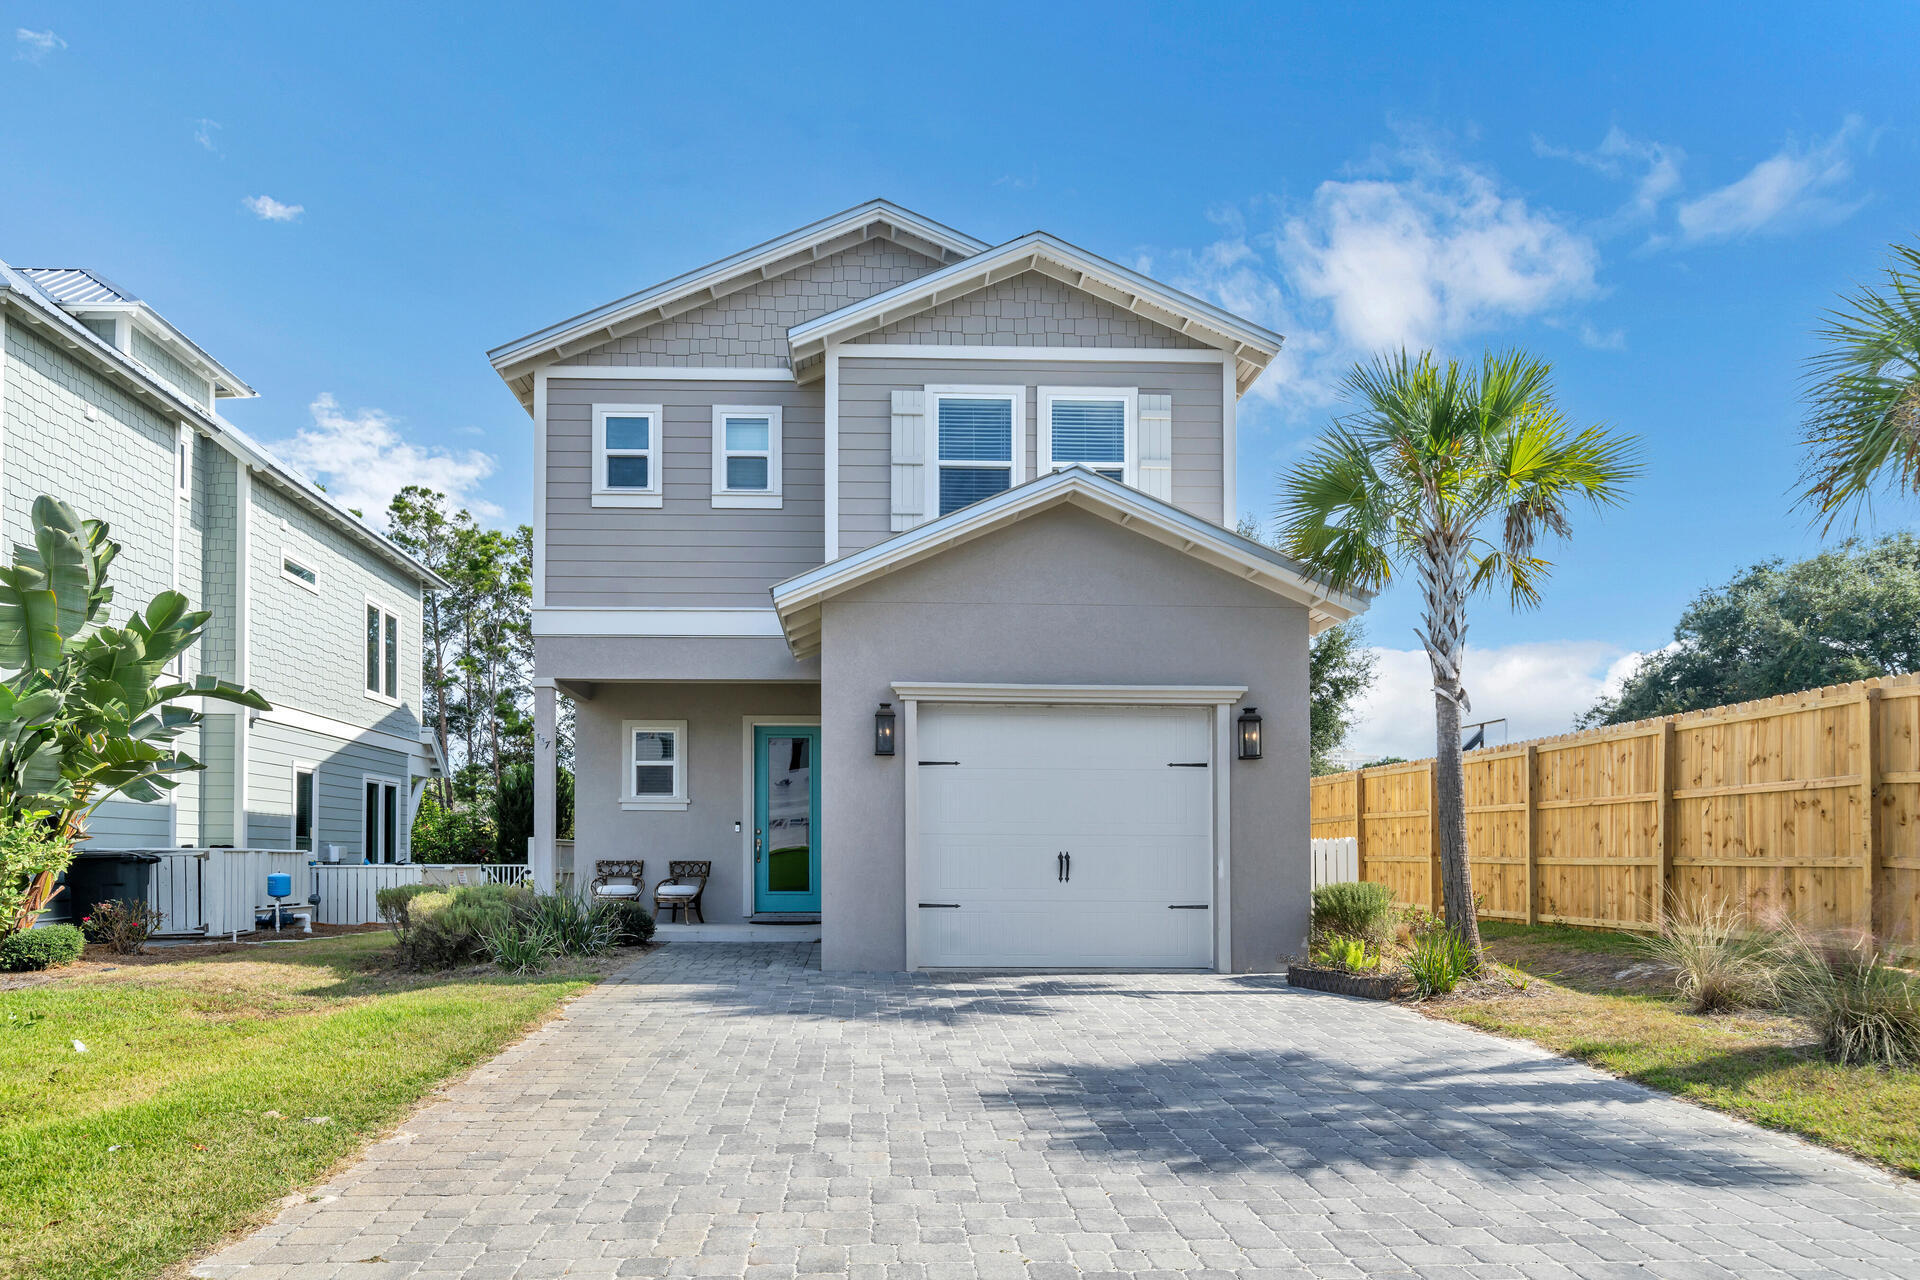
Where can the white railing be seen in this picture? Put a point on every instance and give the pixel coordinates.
(1335, 861)
(210, 892)
(459, 873)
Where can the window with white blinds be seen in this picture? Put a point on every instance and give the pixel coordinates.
(974, 437)
(746, 455)
(1092, 428)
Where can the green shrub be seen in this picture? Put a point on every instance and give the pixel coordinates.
(1719, 962)
(459, 834)
(1349, 954)
(513, 810)
(27, 851)
(633, 923)
(56, 944)
(1866, 1011)
(1354, 909)
(439, 926)
(392, 902)
(521, 947)
(1439, 960)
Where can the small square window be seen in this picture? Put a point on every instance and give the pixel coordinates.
(656, 765)
(626, 455)
(746, 455)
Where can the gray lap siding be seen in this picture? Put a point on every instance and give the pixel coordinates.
(684, 553)
(340, 770)
(866, 384)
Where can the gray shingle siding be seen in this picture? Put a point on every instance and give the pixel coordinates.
(118, 467)
(175, 373)
(307, 651)
(685, 553)
(212, 518)
(749, 328)
(1030, 310)
(866, 424)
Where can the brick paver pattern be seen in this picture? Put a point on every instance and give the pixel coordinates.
(732, 1111)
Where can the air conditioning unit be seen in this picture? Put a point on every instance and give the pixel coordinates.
(330, 853)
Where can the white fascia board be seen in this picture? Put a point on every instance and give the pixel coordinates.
(668, 372)
(713, 623)
(1089, 355)
(760, 256)
(1141, 695)
(1018, 255)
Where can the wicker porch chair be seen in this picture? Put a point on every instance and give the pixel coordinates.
(618, 880)
(681, 891)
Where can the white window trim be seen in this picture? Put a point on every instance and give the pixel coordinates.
(399, 667)
(1129, 397)
(603, 496)
(288, 553)
(682, 746)
(294, 770)
(400, 822)
(935, 394)
(759, 499)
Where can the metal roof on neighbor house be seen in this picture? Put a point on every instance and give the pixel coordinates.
(76, 286)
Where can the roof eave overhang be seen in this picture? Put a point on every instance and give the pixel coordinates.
(799, 600)
(515, 360)
(1252, 346)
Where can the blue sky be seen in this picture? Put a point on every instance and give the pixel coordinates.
(349, 204)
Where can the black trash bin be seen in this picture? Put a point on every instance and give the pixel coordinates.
(109, 874)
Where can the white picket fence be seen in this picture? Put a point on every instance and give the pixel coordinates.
(1335, 861)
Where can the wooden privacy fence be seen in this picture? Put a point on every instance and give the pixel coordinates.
(1806, 805)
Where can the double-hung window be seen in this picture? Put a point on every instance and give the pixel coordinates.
(626, 455)
(383, 653)
(978, 443)
(746, 455)
(1092, 427)
(656, 764)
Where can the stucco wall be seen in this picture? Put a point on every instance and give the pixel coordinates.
(1064, 597)
(703, 830)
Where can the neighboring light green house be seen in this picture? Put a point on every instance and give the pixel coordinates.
(893, 577)
(106, 405)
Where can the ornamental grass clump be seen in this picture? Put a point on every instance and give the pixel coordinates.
(1439, 961)
(1354, 909)
(1720, 962)
(1865, 1011)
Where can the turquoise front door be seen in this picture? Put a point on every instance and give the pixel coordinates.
(786, 818)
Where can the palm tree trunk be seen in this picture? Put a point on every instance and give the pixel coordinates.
(1443, 585)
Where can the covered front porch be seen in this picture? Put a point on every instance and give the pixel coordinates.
(718, 772)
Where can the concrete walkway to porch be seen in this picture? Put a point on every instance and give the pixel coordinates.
(720, 1110)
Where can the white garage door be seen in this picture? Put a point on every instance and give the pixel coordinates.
(1059, 837)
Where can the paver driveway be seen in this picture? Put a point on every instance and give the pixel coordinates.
(731, 1111)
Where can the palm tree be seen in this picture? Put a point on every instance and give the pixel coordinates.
(1452, 474)
(1863, 418)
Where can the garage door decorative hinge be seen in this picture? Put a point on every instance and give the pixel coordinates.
(1186, 906)
(924, 763)
(1186, 764)
(954, 906)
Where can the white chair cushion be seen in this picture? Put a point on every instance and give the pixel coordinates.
(677, 890)
(626, 880)
(619, 891)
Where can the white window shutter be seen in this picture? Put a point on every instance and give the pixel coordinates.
(1156, 446)
(909, 457)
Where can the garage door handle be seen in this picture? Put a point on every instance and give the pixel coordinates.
(1186, 906)
(951, 906)
(1186, 764)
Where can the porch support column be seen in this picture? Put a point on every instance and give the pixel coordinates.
(546, 777)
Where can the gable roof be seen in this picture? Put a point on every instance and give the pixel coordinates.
(513, 360)
(1252, 346)
(798, 599)
(39, 308)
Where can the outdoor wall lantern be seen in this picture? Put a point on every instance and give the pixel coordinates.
(883, 730)
(1250, 734)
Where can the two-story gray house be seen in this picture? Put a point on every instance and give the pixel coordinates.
(106, 405)
(891, 573)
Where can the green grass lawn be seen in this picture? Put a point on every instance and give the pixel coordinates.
(162, 1137)
(1763, 1068)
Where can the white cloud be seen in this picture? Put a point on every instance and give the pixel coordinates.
(267, 209)
(1422, 253)
(1540, 688)
(203, 131)
(364, 461)
(1652, 167)
(1797, 186)
(35, 45)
